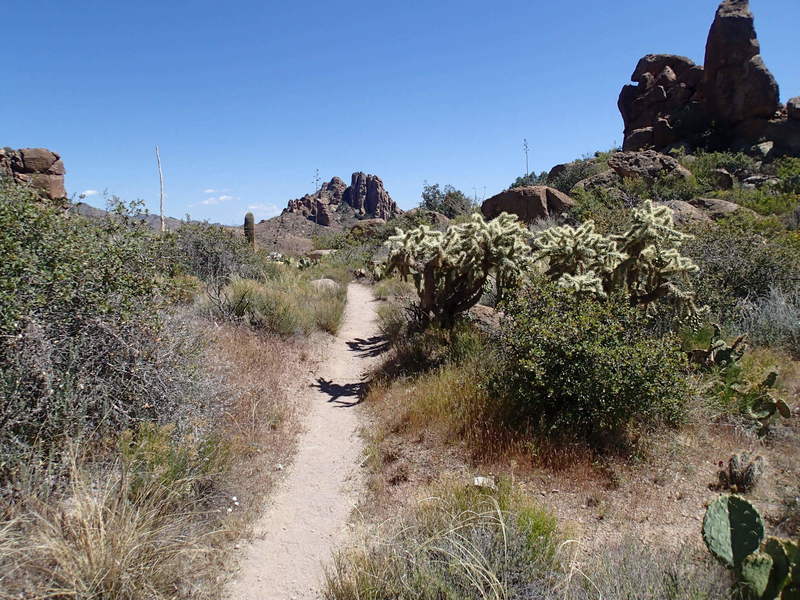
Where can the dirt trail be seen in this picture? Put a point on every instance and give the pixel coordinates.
(309, 511)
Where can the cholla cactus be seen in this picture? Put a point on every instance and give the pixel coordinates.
(644, 263)
(450, 269)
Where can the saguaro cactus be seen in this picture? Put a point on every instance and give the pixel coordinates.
(450, 269)
(250, 229)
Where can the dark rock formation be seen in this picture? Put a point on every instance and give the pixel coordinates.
(38, 167)
(529, 203)
(793, 108)
(368, 197)
(365, 195)
(732, 101)
(737, 84)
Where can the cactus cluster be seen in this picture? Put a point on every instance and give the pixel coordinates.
(733, 531)
(742, 473)
(761, 404)
(250, 229)
(644, 262)
(719, 353)
(450, 269)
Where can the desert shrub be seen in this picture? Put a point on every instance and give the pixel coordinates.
(772, 320)
(286, 305)
(212, 253)
(330, 241)
(763, 201)
(630, 569)
(585, 367)
(703, 165)
(463, 542)
(737, 263)
(576, 171)
(393, 287)
(530, 179)
(447, 200)
(788, 171)
(84, 350)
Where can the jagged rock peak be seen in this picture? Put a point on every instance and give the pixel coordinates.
(365, 195)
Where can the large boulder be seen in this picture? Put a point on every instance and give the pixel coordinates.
(529, 203)
(604, 179)
(684, 213)
(716, 209)
(793, 108)
(37, 167)
(737, 84)
(647, 165)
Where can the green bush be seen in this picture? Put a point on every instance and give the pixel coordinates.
(585, 367)
(703, 165)
(763, 201)
(577, 171)
(84, 351)
(738, 262)
(788, 171)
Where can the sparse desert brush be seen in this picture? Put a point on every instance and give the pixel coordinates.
(287, 305)
(393, 287)
(460, 542)
(99, 541)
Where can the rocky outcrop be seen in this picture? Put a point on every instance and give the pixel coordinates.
(39, 167)
(366, 196)
(731, 101)
(737, 84)
(529, 203)
(648, 165)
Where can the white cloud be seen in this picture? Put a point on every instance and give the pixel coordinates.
(264, 211)
(87, 193)
(210, 191)
(214, 200)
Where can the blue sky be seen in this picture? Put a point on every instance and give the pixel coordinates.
(247, 99)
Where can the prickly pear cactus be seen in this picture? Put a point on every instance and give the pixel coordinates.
(755, 574)
(760, 403)
(732, 529)
(780, 568)
(250, 229)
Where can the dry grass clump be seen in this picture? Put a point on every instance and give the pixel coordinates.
(288, 304)
(394, 287)
(152, 513)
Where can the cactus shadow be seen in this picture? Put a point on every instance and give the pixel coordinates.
(338, 393)
(369, 347)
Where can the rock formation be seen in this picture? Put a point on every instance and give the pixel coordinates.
(365, 195)
(529, 203)
(731, 101)
(38, 167)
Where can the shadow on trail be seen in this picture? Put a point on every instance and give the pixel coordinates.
(337, 391)
(374, 346)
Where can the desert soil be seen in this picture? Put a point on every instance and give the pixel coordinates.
(309, 512)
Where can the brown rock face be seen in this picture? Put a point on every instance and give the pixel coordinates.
(38, 167)
(529, 203)
(647, 165)
(366, 196)
(676, 102)
(737, 84)
(793, 108)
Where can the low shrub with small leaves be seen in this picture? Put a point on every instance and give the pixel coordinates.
(580, 366)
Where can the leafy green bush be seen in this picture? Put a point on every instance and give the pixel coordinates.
(84, 352)
(788, 171)
(763, 201)
(739, 263)
(578, 170)
(703, 165)
(585, 367)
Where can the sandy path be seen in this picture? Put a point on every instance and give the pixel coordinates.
(309, 511)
